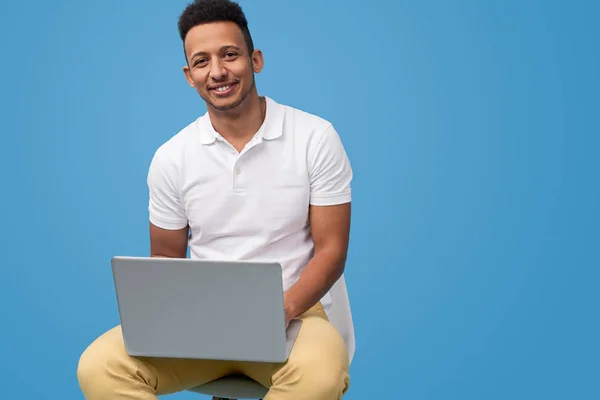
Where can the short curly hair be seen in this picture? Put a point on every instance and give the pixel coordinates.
(207, 11)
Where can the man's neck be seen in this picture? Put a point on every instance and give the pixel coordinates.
(240, 125)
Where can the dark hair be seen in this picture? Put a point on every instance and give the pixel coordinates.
(207, 11)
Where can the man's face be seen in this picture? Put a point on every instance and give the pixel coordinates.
(219, 66)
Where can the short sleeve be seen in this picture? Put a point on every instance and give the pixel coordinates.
(165, 208)
(330, 171)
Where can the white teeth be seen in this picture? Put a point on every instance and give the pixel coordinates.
(222, 88)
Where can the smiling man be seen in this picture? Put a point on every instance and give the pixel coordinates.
(253, 180)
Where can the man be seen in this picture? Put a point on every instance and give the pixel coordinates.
(250, 180)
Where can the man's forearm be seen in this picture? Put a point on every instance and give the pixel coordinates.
(321, 272)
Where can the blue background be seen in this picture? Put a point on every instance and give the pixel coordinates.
(472, 128)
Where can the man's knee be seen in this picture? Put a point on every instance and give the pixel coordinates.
(319, 363)
(319, 381)
(93, 365)
(323, 377)
(103, 362)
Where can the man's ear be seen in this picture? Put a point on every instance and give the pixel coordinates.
(257, 61)
(188, 76)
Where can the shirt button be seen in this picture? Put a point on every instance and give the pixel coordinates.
(232, 151)
(237, 171)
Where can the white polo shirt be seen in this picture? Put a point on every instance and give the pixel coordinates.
(250, 205)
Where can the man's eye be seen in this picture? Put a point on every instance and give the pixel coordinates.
(200, 61)
(230, 54)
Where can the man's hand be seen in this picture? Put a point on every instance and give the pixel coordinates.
(288, 316)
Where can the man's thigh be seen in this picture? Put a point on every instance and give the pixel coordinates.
(319, 351)
(106, 363)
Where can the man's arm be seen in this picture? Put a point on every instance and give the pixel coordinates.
(329, 218)
(330, 230)
(169, 229)
(168, 243)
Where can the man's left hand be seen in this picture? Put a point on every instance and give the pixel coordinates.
(287, 311)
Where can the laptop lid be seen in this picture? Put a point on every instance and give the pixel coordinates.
(221, 310)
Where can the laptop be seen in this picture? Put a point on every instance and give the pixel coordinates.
(216, 310)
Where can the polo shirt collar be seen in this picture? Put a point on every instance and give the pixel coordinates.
(272, 127)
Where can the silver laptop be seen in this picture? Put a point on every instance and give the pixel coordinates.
(217, 310)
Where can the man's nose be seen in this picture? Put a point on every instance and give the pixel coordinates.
(217, 70)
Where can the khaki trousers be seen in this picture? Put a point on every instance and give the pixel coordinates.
(317, 368)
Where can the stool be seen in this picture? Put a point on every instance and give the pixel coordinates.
(232, 387)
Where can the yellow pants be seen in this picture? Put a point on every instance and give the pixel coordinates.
(316, 369)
